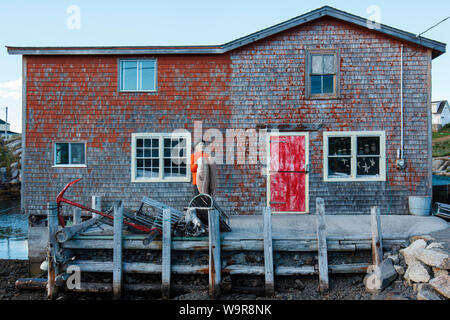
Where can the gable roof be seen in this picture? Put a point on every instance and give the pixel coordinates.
(438, 48)
(441, 105)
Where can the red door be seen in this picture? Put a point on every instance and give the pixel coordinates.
(288, 174)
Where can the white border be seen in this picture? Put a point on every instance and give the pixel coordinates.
(353, 135)
(70, 150)
(160, 136)
(139, 75)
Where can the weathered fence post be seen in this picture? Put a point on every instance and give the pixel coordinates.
(322, 246)
(53, 247)
(117, 250)
(166, 254)
(215, 262)
(96, 204)
(76, 215)
(377, 247)
(268, 253)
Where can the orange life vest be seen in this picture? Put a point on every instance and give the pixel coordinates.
(194, 165)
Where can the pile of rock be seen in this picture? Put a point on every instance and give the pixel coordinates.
(427, 272)
(441, 166)
(10, 175)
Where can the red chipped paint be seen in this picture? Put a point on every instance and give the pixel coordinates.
(288, 177)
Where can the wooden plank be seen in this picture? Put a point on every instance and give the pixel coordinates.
(377, 247)
(150, 268)
(67, 233)
(322, 246)
(96, 204)
(166, 254)
(76, 215)
(268, 253)
(215, 262)
(53, 248)
(117, 250)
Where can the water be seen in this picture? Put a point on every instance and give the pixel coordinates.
(13, 231)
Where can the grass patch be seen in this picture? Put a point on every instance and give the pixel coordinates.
(441, 149)
(445, 131)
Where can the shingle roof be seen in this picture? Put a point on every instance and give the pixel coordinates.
(441, 106)
(438, 48)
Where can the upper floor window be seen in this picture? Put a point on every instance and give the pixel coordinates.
(70, 154)
(138, 75)
(322, 74)
(160, 157)
(354, 156)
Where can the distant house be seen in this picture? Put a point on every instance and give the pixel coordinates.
(4, 126)
(441, 114)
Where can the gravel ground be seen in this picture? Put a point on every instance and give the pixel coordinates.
(342, 287)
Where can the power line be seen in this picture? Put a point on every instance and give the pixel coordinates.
(433, 26)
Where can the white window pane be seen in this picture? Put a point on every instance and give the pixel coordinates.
(328, 64)
(147, 75)
(317, 64)
(129, 75)
(77, 153)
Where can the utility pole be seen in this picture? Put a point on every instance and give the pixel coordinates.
(6, 124)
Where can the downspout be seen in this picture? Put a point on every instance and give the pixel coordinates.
(401, 163)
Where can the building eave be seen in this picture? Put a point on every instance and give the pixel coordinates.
(438, 48)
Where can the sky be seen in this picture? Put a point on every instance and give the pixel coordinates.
(182, 22)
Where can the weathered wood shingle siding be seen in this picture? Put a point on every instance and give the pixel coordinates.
(76, 98)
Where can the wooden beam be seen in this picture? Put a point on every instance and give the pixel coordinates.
(268, 253)
(96, 204)
(117, 251)
(69, 232)
(166, 254)
(53, 248)
(76, 215)
(279, 245)
(150, 268)
(322, 246)
(377, 247)
(215, 261)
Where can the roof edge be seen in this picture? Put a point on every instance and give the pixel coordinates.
(438, 48)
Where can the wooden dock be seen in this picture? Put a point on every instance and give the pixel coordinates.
(266, 233)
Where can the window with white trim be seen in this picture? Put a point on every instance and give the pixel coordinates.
(138, 75)
(70, 154)
(160, 157)
(354, 156)
(322, 74)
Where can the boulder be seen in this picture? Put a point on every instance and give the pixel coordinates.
(427, 292)
(436, 245)
(442, 285)
(433, 257)
(439, 272)
(399, 269)
(381, 277)
(395, 258)
(437, 164)
(409, 252)
(417, 272)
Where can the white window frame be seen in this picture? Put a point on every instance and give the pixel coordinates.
(353, 135)
(70, 155)
(161, 137)
(337, 87)
(139, 75)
